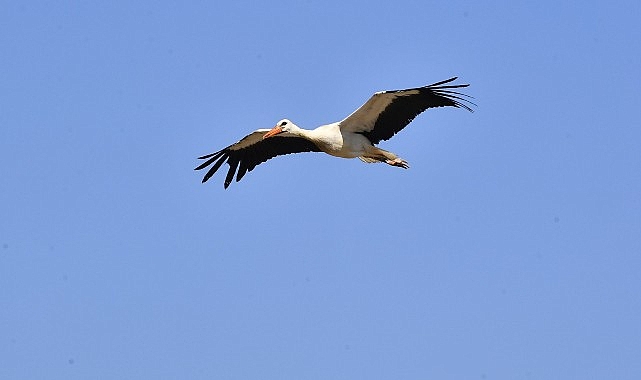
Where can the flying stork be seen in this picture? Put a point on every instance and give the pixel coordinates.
(380, 118)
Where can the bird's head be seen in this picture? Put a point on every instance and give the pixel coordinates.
(282, 126)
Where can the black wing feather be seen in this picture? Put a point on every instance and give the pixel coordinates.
(210, 172)
(400, 112)
(246, 159)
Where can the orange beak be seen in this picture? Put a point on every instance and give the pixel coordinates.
(273, 132)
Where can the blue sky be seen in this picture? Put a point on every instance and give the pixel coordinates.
(509, 250)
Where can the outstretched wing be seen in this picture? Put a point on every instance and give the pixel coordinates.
(387, 112)
(252, 150)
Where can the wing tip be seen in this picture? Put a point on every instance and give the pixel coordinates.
(207, 176)
(440, 85)
(458, 99)
(217, 159)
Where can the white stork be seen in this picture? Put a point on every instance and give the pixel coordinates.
(380, 118)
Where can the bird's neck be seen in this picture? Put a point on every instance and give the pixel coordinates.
(304, 133)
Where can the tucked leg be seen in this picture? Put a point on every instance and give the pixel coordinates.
(378, 154)
(398, 162)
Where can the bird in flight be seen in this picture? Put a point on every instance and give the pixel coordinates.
(356, 136)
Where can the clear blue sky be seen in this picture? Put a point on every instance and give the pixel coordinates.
(510, 250)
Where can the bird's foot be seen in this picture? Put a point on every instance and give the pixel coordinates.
(398, 162)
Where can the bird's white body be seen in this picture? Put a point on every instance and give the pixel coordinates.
(332, 140)
(380, 118)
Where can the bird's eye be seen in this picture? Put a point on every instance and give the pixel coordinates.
(283, 123)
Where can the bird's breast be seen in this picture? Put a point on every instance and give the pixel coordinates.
(331, 140)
